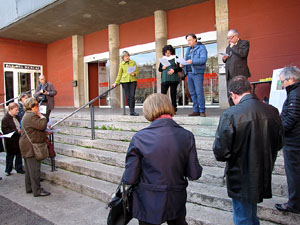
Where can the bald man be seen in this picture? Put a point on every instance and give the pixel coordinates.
(45, 93)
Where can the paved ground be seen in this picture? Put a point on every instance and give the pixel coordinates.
(62, 207)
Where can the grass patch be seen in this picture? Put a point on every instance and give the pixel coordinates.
(103, 127)
(126, 140)
(133, 130)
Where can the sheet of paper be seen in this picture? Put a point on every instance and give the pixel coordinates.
(43, 109)
(164, 62)
(7, 135)
(223, 54)
(131, 69)
(182, 61)
(277, 93)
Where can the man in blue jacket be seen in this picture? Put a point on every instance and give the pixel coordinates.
(196, 57)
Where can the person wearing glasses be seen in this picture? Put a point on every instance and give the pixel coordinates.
(290, 115)
(236, 57)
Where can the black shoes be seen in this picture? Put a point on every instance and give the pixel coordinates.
(194, 114)
(285, 208)
(134, 114)
(21, 171)
(43, 193)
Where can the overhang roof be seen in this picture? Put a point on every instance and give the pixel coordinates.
(65, 18)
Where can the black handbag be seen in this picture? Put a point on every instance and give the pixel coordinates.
(120, 212)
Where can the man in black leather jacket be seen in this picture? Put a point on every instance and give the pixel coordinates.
(248, 138)
(290, 115)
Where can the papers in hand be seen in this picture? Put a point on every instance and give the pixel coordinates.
(7, 135)
(131, 69)
(223, 54)
(182, 61)
(43, 109)
(164, 62)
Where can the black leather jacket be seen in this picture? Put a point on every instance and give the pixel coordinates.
(248, 138)
(290, 116)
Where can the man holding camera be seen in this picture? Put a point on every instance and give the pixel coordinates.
(45, 93)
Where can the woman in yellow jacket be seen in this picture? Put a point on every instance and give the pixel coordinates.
(127, 76)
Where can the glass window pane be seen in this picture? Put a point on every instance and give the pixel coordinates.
(147, 75)
(9, 86)
(25, 85)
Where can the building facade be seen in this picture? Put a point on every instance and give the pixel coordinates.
(84, 63)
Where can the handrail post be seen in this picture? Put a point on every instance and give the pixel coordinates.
(123, 102)
(93, 121)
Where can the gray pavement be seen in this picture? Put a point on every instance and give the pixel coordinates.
(62, 207)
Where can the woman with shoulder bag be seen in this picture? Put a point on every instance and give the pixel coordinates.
(33, 131)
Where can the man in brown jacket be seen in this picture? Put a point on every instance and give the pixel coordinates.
(45, 93)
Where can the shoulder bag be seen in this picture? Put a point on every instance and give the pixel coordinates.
(40, 149)
(120, 206)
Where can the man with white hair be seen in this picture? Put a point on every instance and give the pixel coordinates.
(45, 93)
(290, 115)
(236, 57)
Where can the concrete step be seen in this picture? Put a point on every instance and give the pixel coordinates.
(204, 143)
(199, 130)
(215, 201)
(211, 121)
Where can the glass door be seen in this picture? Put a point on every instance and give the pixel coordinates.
(103, 80)
(9, 86)
(24, 82)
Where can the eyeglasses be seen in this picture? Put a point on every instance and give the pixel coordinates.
(282, 81)
(230, 37)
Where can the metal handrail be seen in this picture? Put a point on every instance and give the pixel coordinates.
(83, 106)
(9, 100)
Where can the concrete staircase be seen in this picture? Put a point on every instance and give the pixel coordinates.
(94, 167)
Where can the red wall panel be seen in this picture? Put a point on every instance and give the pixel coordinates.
(196, 18)
(14, 51)
(273, 29)
(96, 42)
(60, 71)
(137, 32)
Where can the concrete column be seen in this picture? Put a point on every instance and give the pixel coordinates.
(114, 62)
(161, 36)
(221, 11)
(78, 70)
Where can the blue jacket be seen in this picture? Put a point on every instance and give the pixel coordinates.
(199, 58)
(159, 160)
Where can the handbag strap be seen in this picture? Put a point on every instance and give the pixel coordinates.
(27, 136)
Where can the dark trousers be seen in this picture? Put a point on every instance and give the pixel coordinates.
(10, 160)
(32, 175)
(178, 221)
(129, 89)
(164, 90)
(292, 170)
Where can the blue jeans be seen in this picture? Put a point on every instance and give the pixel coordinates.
(244, 213)
(195, 83)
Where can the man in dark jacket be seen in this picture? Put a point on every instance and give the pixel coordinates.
(45, 93)
(236, 59)
(290, 115)
(248, 138)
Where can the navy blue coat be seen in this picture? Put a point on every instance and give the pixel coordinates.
(159, 160)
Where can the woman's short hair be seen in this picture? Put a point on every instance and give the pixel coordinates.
(168, 48)
(30, 103)
(124, 53)
(12, 105)
(156, 105)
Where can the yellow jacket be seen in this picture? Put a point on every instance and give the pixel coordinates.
(123, 76)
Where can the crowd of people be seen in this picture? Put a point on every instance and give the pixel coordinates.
(162, 157)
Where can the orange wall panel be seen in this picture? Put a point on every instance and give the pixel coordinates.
(15, 51)
(273, 29)
(96, 42)
(60, 71)
(196, 18)
(137, 32)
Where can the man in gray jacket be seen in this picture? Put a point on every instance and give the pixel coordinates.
(45, 93)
